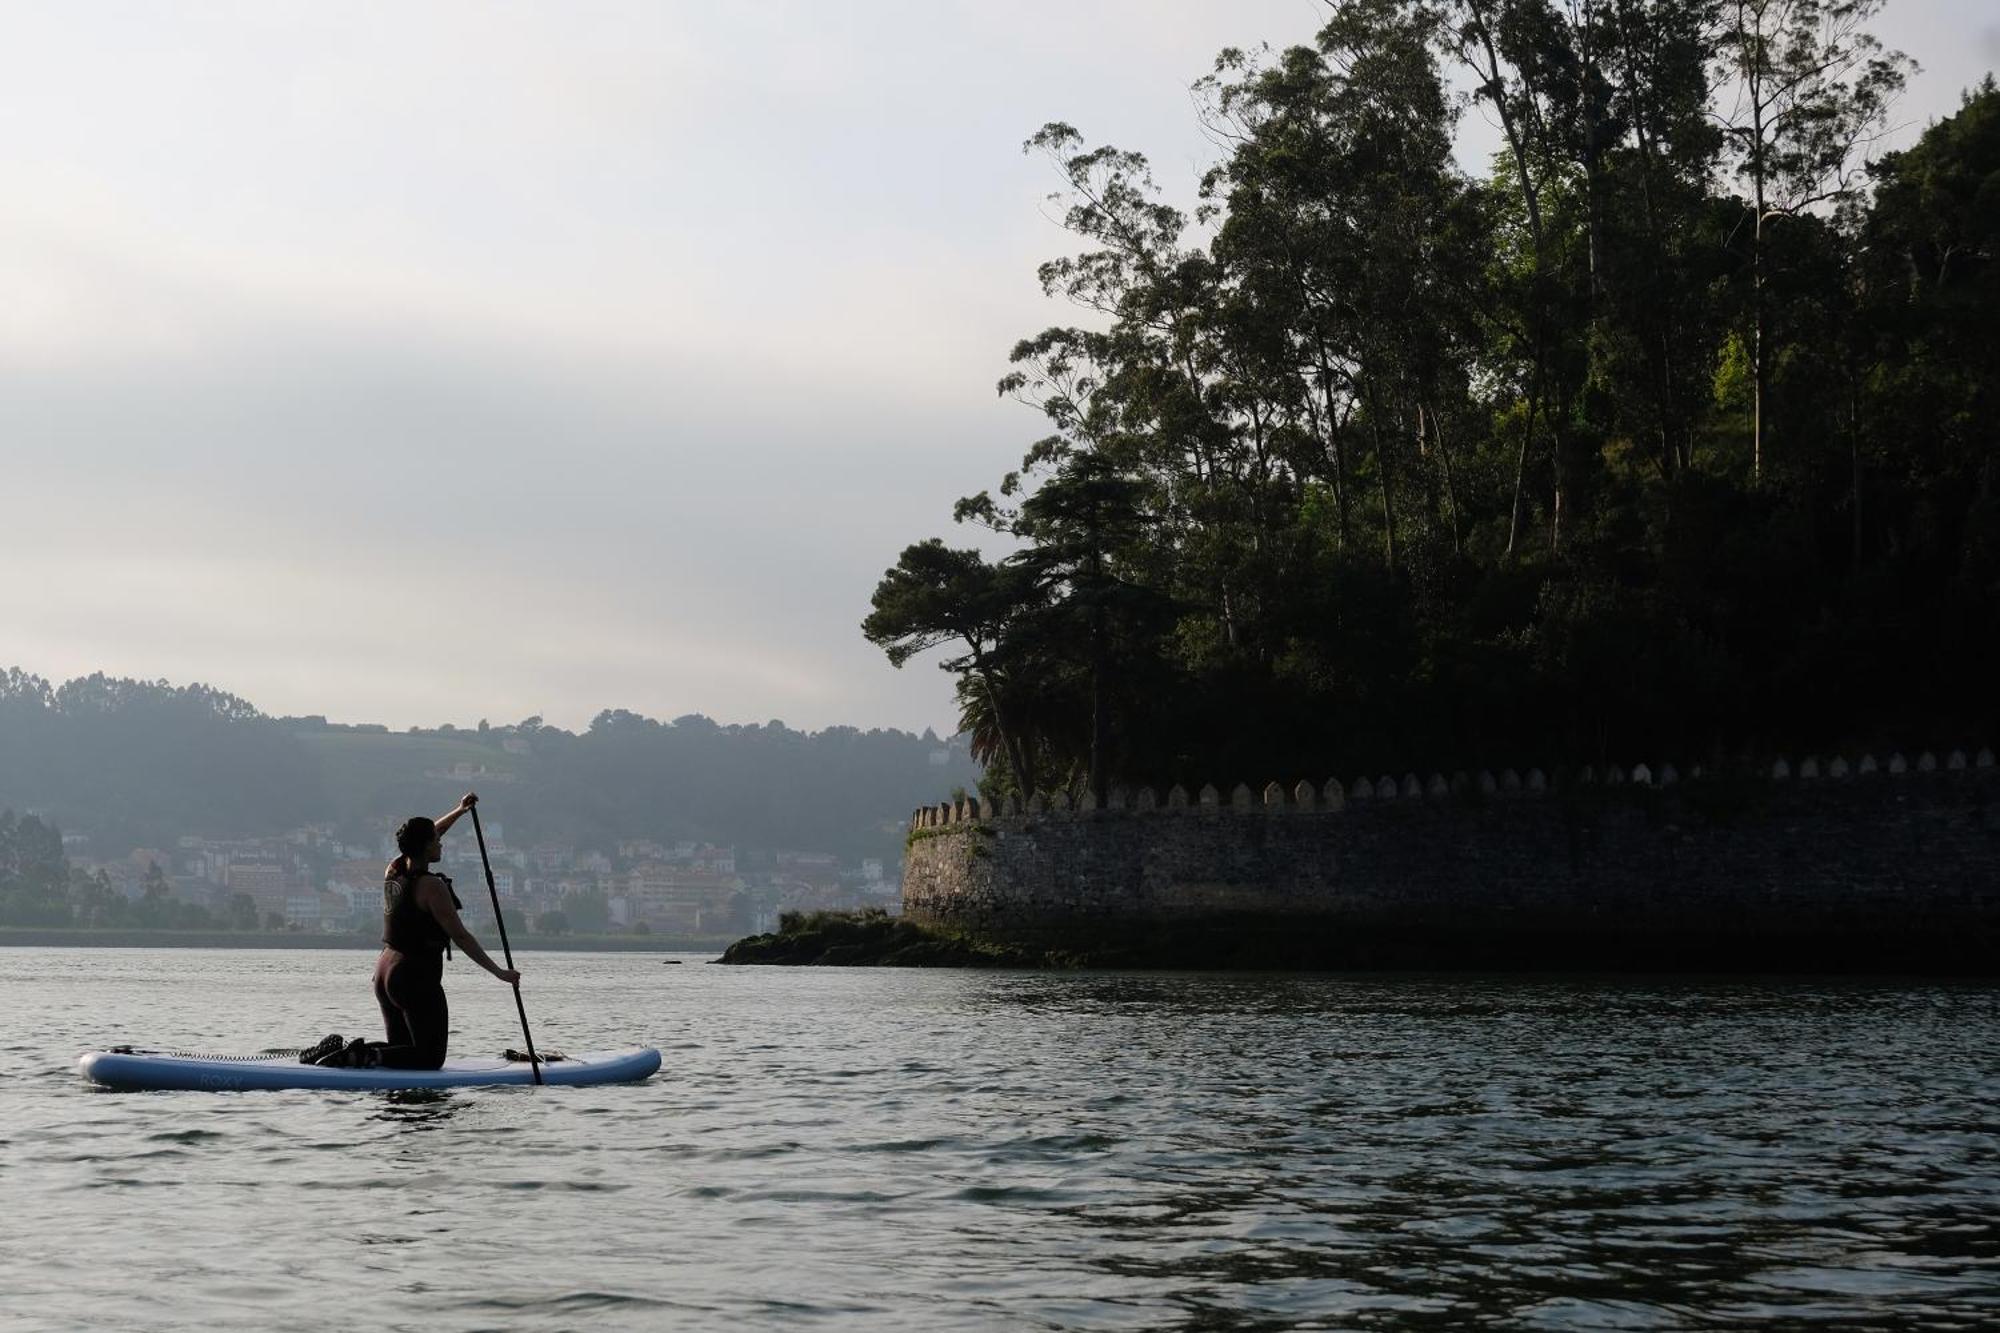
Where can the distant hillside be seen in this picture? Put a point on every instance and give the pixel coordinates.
(130, 763)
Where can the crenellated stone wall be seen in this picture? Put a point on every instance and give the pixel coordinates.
(1820, 859)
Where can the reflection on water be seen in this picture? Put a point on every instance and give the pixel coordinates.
(415, 1108)
(874, 1149)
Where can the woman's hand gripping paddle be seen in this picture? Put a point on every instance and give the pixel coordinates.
(500, 920)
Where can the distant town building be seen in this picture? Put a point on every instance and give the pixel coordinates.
(716, 860)
(259, 881)
(312, 880)
(266, 885)
(357, 874)
(342, 909)
(672, 897)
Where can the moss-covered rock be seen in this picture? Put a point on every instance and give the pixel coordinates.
(872, 938)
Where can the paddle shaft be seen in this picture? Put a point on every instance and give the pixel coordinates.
(500, 920)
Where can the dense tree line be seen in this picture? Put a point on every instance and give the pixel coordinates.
(842, 789)
(39, 887)
(34, 873)
(140, 763)
(133, 763)
(1671, 434)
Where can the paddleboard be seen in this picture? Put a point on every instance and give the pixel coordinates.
(225, 1073)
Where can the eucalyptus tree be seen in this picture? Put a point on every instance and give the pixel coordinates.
(1611, 154)
(1353, 236)
(1282, 243)
(1662, 90)
(1502, 43)
(1600, 192)
(1284, 504)
(1930, 263)
(1808, 89)
(1141, 382)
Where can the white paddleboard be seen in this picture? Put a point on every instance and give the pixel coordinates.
(226, 1073)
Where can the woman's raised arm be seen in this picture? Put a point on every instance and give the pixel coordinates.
(465, 802)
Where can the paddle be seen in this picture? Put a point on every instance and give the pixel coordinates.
(500, 920)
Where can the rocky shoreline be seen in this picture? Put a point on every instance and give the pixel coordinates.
(872, 938)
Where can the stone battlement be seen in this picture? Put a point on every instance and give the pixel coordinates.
(1672, 867)
(1333, 796)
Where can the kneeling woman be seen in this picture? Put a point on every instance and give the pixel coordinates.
(419, 924)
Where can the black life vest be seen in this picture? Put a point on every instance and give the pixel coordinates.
(406, 926)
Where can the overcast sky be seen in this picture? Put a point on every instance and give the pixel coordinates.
(425, 362)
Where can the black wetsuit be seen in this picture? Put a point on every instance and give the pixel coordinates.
(409, 978)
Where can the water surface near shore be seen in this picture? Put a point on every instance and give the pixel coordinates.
(867, 1149)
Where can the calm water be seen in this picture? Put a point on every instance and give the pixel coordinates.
(939, 1150)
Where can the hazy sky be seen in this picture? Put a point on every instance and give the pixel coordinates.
(425, 362)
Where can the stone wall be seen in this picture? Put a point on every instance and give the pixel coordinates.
(1654, 866)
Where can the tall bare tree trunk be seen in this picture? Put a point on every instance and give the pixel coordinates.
(1336, 430)
(1521, 460)
(1495, 88)
(1754, 76)
(1757, 340)
(1854, 453)
(1672, 458)
(1450, 485)
(1382, 476)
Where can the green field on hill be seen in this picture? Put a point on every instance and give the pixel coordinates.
(356, 761)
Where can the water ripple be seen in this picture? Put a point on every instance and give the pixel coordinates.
(882, 1150)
